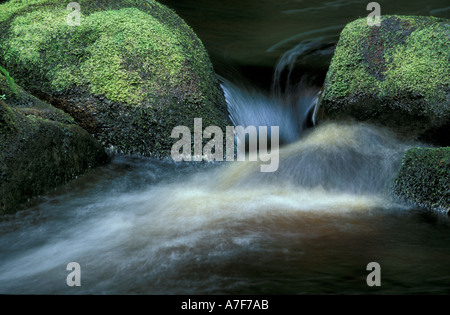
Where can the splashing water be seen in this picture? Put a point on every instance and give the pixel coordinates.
(291, 108)
(290, 112)
(145, 226)
(157, 227)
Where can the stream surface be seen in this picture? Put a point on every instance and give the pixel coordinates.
(146, 226)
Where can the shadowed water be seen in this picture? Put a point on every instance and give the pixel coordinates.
(258, 33)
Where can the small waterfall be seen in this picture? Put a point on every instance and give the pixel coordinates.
(338, 157)
(292, 108)
(147, 226)
(254, 108)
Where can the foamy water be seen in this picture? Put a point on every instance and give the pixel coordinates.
(145, 226)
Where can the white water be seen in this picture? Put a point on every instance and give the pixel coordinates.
(148, 226)
(165, 228)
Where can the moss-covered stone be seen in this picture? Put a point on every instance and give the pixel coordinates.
(18, 98)
(40, 148)
(130, 72)
(424, 178)
(397, 75)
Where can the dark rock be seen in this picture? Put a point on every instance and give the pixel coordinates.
(395, 75)
(41, 148)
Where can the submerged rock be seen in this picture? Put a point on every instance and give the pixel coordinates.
(129, 73)
(396, 75)
(41, 147)
(424, 178)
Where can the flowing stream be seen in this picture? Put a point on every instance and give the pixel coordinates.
(146, 226)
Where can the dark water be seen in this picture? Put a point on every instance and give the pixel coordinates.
(248, 37)
(146, 226)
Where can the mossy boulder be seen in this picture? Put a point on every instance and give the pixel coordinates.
(424, 178)
(129, 73)
(396, 75)
(16, 97)
(41, 148)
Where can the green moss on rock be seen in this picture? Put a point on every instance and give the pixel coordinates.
(424, 178)
(128, 74)
(397, 75)
(40, 148)
(30, 104)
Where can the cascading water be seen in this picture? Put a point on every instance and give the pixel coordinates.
(340, 157)
(290, 105)
(289, 111)
(158, 227)
(146, 226)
